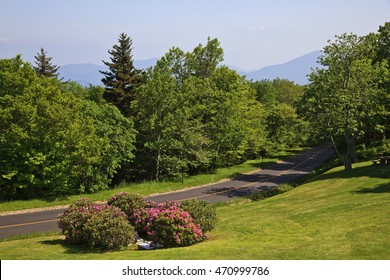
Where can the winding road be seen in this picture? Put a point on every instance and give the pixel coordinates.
(280, 173)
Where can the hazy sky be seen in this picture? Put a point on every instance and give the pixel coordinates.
(252, 33)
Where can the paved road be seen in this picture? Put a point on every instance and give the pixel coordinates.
(280, 173)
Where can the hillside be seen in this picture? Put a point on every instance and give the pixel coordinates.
(335, 216)
(294, 70)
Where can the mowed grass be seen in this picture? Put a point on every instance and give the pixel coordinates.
(334, 216)
(151, 187)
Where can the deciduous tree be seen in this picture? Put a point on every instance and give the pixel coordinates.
(344, 94)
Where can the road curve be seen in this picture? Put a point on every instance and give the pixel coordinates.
(280, 173)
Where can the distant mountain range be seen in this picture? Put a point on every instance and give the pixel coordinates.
(294, 70)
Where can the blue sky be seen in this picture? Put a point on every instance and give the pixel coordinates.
(252, 33)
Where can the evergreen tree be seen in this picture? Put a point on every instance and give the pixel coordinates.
(122, 78)
(44, 66)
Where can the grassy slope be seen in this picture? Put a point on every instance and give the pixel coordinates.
(335, 216)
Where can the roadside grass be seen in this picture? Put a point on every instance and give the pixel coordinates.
(151, 187)
(336, 215)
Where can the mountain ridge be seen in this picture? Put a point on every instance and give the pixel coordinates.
(295, 70)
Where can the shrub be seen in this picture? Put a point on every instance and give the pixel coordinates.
(142, 218)
(202, 212)
(108, 229)
(167, 225)
(90, 224)
(270, 192)
(173, 227)
(130, 203)
(72, 221)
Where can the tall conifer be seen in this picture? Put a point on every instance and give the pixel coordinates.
(122, 77)
(44, 66)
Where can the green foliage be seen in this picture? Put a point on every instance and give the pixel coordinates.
(345, 95)
(204, 60)
(374, 149)
(285, 129)
(55, 139)
(95, 226)
(265, 92)
(122, 78)
(202, 212)
(193, 115)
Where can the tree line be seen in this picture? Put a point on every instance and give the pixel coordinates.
(186, 115)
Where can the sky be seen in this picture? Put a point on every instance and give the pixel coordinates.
(252, 33)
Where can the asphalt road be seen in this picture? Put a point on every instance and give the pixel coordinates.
(280, 173)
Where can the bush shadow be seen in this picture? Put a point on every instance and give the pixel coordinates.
(73, 248)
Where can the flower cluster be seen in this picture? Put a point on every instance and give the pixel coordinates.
(167, 225)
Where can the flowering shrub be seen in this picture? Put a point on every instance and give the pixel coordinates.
(88, 223)
(72, 221)
(173, 228)
(168, 226)
(130, 203)
(108, 229)
(202, 212)
(142, 218)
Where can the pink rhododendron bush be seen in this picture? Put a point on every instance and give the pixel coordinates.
(127, 217)
(168, 226)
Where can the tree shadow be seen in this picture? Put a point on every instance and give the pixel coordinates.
(383, 188)
(371, 171)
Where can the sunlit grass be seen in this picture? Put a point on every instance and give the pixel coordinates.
(334, 216)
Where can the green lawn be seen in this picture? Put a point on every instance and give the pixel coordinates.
(147, 188)
(335, 216)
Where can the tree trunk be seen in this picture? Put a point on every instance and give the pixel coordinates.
(337, 150)
(350, 152)
(158, 158)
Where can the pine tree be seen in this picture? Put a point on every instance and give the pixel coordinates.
(44, 66)
(122, 78)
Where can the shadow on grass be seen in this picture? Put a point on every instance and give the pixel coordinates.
(73, 248)
(371, 171)
(384, 188)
